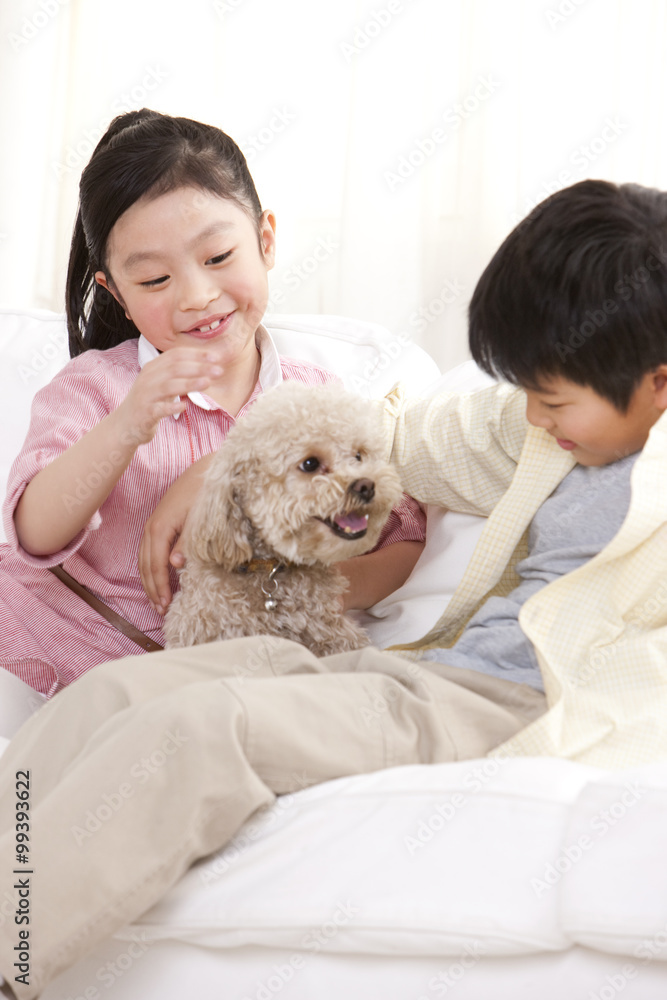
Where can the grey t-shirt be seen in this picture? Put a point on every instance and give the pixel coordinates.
(580, 517)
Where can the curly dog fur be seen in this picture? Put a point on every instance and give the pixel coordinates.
(300, 483)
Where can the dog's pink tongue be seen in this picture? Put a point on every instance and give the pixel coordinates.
(352, 523)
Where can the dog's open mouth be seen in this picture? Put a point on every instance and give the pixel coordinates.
(348, 526)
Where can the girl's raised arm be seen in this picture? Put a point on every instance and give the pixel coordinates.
(44, 526)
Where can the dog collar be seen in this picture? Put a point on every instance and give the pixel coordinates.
(270, 588)
(256, 565)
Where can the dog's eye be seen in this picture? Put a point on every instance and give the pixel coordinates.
(311, 464)
(358, 456)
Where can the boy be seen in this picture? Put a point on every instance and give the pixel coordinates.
(572, 309)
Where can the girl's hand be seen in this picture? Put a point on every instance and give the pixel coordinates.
(155, 394)
(161, 544)
(160, 386)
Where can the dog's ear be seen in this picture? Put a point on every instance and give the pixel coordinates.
(218, 530)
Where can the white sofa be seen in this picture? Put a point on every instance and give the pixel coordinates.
(496, 878)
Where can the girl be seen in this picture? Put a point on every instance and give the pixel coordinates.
(166, 289)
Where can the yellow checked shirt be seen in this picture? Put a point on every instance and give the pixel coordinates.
(599, 632)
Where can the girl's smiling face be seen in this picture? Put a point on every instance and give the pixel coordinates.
(190, 268)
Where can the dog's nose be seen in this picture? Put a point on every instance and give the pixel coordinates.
(364, 488)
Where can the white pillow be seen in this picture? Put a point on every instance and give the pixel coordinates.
(368, 358)
(33, 348)
(427, 860)
(614, 890)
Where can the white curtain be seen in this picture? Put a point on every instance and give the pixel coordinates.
(398, 141)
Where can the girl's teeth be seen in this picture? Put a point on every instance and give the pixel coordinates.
(213, 326)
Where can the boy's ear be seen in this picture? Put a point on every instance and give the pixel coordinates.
(659, 377)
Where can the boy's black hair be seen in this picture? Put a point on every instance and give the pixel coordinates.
(578, 290)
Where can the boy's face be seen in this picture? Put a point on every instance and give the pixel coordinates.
(591, 427)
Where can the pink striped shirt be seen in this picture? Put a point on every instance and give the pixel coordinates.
(48, 635)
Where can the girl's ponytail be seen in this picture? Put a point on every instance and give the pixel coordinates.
(77, 288)
(94, 317)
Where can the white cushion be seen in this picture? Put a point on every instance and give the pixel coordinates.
(18, 701)
(33, 347)
(614, 889)
(425, 860)
(368, 358)
(411, 861)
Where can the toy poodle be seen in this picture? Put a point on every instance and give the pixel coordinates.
(299, 484)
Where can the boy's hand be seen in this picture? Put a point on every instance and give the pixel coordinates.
(161, 544)
(160, 386)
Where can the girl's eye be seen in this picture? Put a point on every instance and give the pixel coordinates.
(311, 464)
(154, 282)
(218, 259)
